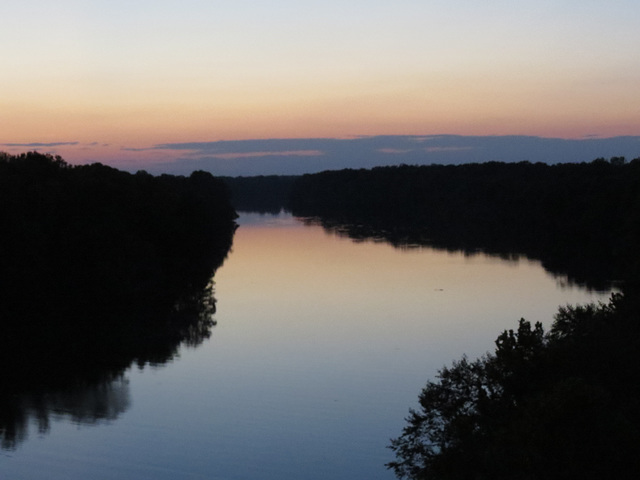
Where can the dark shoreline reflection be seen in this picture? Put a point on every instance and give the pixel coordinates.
(580, 220)
(79, 373)
(87, 404)
(565, 262)
(99, 269)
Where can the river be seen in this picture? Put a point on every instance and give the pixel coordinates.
(322, 345)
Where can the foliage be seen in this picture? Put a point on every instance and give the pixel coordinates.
(558, 213)
(90, 257)
(560, 405)
(556, 405)
(263, 194)
(98, 269)
(106, 238)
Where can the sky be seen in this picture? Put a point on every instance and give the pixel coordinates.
(121, 82)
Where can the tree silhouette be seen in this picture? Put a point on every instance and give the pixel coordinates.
(542, 406)
(98, 269)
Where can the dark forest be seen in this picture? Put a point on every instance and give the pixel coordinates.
(579, 219)
(560, 404)
(100, 268)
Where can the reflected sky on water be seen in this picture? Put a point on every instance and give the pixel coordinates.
(321, 346)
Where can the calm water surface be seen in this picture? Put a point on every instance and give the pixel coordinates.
(322, 346)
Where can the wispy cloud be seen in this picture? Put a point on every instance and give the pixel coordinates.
(308, 155)
(398, 151)
(448, 149)
(291, 153)
(141, 149)
(40, 145)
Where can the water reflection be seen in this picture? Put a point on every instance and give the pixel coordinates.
(322, 347)
(83, 404)
(570, 264)
(325, 343)
(77, 374)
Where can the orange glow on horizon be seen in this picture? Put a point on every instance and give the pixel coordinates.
(103, 74)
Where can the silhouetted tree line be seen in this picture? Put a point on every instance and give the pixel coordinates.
(557, 405)
(262, 194)
(580, 219)
(104, 237)
(88, 403)
(77, 369)
(100, 268)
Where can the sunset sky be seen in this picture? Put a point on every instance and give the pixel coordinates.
(112, 81)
